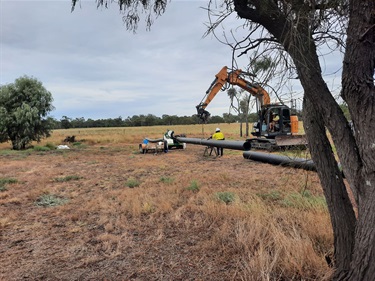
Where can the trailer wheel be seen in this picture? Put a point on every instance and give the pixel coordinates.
(181, 146)
(141, 150)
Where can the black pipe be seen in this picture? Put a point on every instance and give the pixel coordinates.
(299, 163)
(155, 140)
(235, 145)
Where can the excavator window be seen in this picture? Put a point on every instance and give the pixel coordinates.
(276, 120)
(273, 116)
(286, 120)
(267, 120)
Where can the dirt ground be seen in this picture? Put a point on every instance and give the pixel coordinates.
(106, 230)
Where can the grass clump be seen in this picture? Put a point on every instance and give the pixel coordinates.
(16, 154)
(79, 145)
(67, 178)
(51, 146)
(41, 148)
(226, 197)
(131, 183)
(6, 181)
(271, 196)
(194, 186)
(50, 200)
(147, 208)
(304, 200)
(166, 180)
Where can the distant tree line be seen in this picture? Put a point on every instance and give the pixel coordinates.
(151, 120)
(143, 120)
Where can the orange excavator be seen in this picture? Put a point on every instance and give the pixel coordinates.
(276, 127)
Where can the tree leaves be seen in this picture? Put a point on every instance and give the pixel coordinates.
(23, 105)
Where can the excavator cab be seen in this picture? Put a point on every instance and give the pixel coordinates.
(274, 120)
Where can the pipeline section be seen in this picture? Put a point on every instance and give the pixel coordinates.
(245, 146)
(154, 140)
(299, 163)
(235, 145)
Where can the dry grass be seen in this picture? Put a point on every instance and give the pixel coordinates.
(107, 136)
(275, 225)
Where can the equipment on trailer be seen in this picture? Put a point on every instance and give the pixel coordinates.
(172, 141)
(276, 127)
(150, 145)
(168, 141)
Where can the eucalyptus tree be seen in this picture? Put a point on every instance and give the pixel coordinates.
(24, 106)
(298, 30)
(240, 103)
(262, 68)
(66, 122)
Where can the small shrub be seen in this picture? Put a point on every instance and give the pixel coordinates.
(131, 183)
(50, 200)
(194, 186)
(226, 197)
(67, 178)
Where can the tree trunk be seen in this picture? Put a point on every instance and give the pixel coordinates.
(321, 111)
(338, 202)
(247, 126)
(359, 93)
(354, 240)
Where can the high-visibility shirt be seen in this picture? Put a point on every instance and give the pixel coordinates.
(218, 136)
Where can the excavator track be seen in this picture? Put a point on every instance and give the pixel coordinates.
(288, 142)
(296, 141)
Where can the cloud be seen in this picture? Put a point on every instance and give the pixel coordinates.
(95, 68)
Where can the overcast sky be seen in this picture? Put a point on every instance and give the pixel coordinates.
(96, 69)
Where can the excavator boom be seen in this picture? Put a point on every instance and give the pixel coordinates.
(232, 78)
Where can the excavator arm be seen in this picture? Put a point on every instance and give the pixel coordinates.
(218, 84)
(233, 78)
